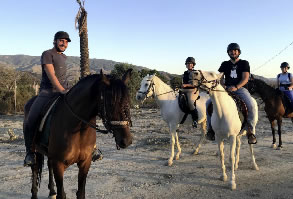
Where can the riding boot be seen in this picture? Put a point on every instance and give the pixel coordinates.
(194, 115)
(251, 137)
(30, 158)
(210, 134)
(96, 154)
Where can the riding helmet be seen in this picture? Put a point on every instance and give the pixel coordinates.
(233, 46)
(190, 59)
(284, 65)
(62, 35)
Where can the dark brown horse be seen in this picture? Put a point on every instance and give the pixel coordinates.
(72, 128)
(274, 105)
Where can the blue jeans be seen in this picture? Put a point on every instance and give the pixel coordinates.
(246, 97)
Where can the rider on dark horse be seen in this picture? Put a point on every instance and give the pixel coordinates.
(285, 84)
(236, 75)
(190, 90)
(53, 83)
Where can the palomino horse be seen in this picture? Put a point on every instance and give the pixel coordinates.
(225, 121)
(167, 100)
(73, 128)
(274, 107)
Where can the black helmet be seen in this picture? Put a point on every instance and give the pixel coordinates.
(62, 35)
(233, 46)
(284, 65)
(190, 59)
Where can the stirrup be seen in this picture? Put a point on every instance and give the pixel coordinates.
(194, 124)
(97, 155)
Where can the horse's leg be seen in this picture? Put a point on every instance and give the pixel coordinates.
(279, 122)
(172, 143)
(58, 170)
(254, 165)
(273, 132)
(222, 159)
(232, 161)
(52, 193)
(178, 147)
(238, 145)
(202, 137)
(34, 189)
(82, 174)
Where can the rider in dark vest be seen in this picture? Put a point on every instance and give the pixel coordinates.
(236, 74)
(285, 83)
(189, 89)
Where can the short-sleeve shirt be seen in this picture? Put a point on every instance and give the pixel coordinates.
(186, 77)
(233, 72)
(58, 60)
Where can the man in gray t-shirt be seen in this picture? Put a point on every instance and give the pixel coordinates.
(53, 82)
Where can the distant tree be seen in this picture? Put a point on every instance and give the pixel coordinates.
(133, 84)
(176, 82)
(81, 20)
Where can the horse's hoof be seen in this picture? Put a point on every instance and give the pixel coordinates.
(177, 157)
(223, 178)
(233, 185)
(274, 146)
(256, 168)
(279, 148)
(169, 163)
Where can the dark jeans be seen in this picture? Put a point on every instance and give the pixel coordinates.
(33, 119)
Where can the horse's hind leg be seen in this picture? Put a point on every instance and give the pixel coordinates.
(279, 122)
(34, 189)
(172, 143)
(238, 145)
(52, 193)
(273, 132)
(254, 165)
(178, 147)
(202, 137)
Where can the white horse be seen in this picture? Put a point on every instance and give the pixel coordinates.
(225, 121)
(167, 100)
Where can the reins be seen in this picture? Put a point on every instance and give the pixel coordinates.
(110, 124)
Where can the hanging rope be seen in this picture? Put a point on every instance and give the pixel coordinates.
(273, 57)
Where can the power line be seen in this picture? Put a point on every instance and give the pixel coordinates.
(273, 57)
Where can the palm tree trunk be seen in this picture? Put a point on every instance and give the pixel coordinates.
(81, 19)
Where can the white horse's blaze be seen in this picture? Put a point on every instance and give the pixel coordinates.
(225, 122)
(171, 113)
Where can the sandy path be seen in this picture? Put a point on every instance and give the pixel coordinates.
(139, 171)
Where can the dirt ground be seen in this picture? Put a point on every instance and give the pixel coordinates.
(139, 172)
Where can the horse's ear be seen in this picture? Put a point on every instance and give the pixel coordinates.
(126, 77)
(220, 75)
(104, 78)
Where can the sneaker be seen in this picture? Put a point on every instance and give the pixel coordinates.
(251, 139)
(30, 159)
(210, 135)
(97, 155)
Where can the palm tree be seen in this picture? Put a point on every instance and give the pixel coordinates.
(81, 25)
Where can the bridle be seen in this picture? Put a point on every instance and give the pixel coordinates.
(109, 124)
(151, 86)
(202, 83)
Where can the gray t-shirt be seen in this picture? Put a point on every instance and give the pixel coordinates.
(58, 60)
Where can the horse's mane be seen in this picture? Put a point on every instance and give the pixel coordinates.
(165, 85)
(263, 84)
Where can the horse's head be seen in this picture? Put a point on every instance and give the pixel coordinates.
(251, 86)
(146, 88)
(206, 80)
(116, 109)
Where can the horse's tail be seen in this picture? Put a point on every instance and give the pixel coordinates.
(40, 165)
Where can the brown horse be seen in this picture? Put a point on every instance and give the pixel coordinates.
(73, 128)
(274, 105)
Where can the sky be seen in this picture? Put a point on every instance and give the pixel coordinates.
(157, 34)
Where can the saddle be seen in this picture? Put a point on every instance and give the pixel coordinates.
(183, 105)
(241, 107)
(41, 139)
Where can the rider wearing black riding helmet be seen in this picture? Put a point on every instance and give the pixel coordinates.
(189, 89)
(235, 75)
